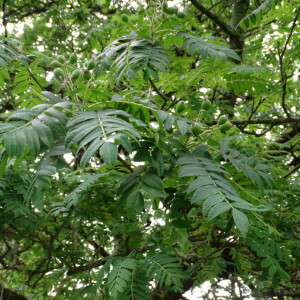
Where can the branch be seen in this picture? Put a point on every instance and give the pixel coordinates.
(4, 22)
(283, 80)
(34, 78)
(223, 25)
(124, 163)
(254, 110)
(255, 30)
(99, 9)
(292, 171)
(274, 122)
(173, 103)
(163, 96)
(9, 294)
(95, 264)
(290, 34)
(242, 129)
(281, 293)
(282, 71)
(34, 11)
(102, 261)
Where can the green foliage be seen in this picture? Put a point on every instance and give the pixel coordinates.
(76, 195)
(247, 165)
(212, 190)
(131, 55)
(205, 48)
(164, 270)
(92, 127)
(161, 155)
(120, 276)
(255, 17)
(129, 278)
(29, 128)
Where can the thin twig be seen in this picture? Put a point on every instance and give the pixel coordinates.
(34, 78)
(102, 261)
(163, 96)
(125, 164)
(242, 129)
(290, 33)
(274, 122)
(254, 110)
(282, 71)
(216, 19)
(292, 171)
(173, 103)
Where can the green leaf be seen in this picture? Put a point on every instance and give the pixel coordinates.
(119, 277)
(23, 114)
(131, 55)
(79, 132)
(272, 270)
(162, 115)
(266, 262)
(210, 202)
(93, 147)
(125, 142)
(283, 274)
(134, 204)
(279, 252)
(204, 47)
(152, 191)
(94, 135)
(191, 170)
(50, 96)
(3, 63)
(4, 158)
(32, 140)
(158, 161)
(153, 185)
(241, 221)
(153, 180)
(47, 171)
(4, 127)
(243, 205)
(217, 210)
(15, 142)
(153, 73)
(44, 133)
(10, 143)
(104, 270)
(53, 123)
(109, 153)
(179, 223)
(255, 16)
(199, 182)
(60, 116)
(204, 192)
(168, 123)
(130, 181)
(182, 126)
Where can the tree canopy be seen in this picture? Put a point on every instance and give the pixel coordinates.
(148, 147)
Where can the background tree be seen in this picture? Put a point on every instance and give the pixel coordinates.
(121, 174)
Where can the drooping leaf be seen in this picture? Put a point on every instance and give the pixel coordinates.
(134, 204)
(153, 185)
(218, 209)
(204, 47)
(241, 221)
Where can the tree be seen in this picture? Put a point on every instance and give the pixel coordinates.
(147, 149)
